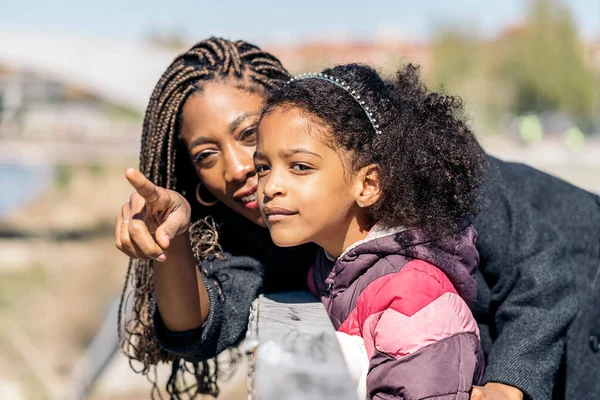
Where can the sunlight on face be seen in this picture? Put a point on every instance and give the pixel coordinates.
(303, 193)
(219, 131)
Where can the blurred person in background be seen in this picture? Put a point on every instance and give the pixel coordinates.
(200, 248)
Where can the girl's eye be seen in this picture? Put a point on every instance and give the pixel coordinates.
(261, 169)
(249, 136)
(301, 167)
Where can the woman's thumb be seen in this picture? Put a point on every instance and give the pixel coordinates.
(173, 226)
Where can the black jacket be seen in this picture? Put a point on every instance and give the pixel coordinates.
(539, 242)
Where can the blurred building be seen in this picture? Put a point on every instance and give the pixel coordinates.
(71, 98)
(386, 54)
(34, 107)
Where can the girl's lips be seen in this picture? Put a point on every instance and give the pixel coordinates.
(275, 213)
(278, 217)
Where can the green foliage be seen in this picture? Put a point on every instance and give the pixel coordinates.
(456, 54)
(95, 168)
(536, 67)
(62, 176)
(545, 63)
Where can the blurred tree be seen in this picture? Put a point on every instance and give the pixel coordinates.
(544, 62)
(537, 67)
(462, 66)
(455, 55)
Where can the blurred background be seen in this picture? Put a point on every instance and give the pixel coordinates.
(75, 78)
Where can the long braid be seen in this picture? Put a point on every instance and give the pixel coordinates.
(210, 59)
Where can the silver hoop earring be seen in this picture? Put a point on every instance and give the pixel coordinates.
(202, 201)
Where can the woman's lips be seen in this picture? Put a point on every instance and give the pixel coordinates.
(248, 200)
(250, 197)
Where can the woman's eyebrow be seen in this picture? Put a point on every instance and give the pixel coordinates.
(236, 122)
(198, 141)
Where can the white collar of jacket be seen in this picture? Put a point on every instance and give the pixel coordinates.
(376, 232)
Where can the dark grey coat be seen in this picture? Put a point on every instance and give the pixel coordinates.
(539, 242)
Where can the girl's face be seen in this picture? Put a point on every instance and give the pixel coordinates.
(219, 132)
(303, 190)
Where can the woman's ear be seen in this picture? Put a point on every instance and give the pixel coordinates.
(369, 185)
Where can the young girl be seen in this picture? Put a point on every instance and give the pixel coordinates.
(383, 177)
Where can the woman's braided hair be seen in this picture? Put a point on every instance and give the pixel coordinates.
(164, 160)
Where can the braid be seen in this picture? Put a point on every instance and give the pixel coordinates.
(211, 59)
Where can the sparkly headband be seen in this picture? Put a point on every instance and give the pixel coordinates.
(344, 86)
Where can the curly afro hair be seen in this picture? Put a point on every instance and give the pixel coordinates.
(431, 163)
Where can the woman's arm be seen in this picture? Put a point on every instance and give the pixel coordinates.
(232, 284)
(154, 225)
(179, 290)
(198, 312)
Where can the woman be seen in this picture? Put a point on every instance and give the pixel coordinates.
(198, 141)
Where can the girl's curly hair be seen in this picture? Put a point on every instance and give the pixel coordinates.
(431, 163)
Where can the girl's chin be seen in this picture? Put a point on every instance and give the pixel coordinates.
(256, 217)
(285, 240)
(286, 243)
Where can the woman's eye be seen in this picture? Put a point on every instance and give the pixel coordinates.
(203, 156)
(249, 136)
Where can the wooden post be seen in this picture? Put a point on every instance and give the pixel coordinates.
(294, 351)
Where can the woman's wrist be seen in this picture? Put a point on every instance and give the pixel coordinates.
(179, 246)
(496, 391)
(510, 391)
(180, 293)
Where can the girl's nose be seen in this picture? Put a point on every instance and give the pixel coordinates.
(273, 185)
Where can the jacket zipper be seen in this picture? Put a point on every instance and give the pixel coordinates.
(329, 297)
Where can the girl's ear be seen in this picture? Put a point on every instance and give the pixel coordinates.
(369, 185)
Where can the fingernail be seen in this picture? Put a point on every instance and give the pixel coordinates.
(161, 258)
(168, 239)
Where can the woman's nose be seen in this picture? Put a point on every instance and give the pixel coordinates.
(239, 165)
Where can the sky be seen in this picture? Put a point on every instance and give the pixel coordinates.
(274, 21)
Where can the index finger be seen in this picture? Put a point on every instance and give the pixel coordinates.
(148, 190)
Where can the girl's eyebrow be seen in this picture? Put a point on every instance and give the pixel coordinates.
(290, 152)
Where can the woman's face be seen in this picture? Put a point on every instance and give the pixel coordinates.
(219, 132)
